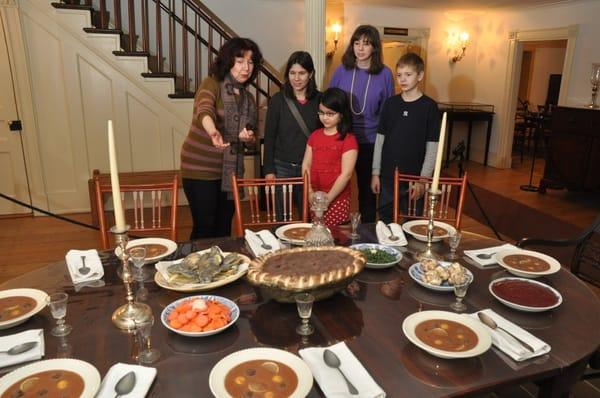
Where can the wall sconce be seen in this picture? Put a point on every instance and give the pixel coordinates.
(336, 28)
(462, 43)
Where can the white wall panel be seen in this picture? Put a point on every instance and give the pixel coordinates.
(144, 136)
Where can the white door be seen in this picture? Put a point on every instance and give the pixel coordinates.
(13, 177)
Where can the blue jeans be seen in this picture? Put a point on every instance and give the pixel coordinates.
(287, 170)
(386, 199)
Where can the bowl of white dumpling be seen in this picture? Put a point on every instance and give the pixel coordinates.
(439, 275)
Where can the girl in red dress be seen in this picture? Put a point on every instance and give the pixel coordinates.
(331, 154)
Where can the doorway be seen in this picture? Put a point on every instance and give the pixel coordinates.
(13, 174)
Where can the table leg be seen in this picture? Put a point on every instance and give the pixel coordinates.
(487, 141)
(560, 386)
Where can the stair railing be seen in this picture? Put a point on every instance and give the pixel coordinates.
(181, 41)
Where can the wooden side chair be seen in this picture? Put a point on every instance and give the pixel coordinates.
(255, 189)
(449, 206)
(149, 199)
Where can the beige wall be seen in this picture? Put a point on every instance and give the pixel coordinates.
(547, 60)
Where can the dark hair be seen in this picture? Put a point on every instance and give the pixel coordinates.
(336, 99)
(303, 59)
(371, 34)
(411, 59)
(235, 47)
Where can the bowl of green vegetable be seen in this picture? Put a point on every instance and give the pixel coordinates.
(378, 256)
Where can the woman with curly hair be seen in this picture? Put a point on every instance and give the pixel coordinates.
(224, 119)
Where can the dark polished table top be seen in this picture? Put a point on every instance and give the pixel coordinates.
(367, 316)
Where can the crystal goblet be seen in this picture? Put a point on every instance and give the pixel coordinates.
(453, 241)
(143, 330)
(460, 291)
(137, 255)
(304, 303)
(354, 223)
(58, 308)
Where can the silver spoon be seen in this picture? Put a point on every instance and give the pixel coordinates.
(264, 244)
(20, 348)
(485, 256)
(392, 237)
(84, 270)
(125, 384)
(492, 324)
(333, 361)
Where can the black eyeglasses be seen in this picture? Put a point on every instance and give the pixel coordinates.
(328, 114)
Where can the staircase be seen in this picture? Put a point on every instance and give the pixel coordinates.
(178, 38)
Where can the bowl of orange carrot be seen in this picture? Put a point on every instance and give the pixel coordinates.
(199, 316)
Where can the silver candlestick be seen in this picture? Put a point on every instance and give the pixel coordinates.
(428, 253)
(131, 312)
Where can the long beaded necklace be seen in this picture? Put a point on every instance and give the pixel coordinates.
(352, 96)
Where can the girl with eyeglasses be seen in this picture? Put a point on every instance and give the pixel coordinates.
(331, 154)
(368, 83)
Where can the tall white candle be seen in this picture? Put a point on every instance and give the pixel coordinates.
(114, 180)
(440, 154)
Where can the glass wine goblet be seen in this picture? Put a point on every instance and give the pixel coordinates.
(143, 330)
(137, 255)
(354, 223)
(460, 291)
(58, 308)
(304, 303)
(453, 242)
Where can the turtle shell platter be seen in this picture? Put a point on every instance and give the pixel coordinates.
(321, 271)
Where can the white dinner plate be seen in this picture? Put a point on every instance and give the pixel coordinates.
(522, 307)
(407, 226)
(86, 371)
(216, 379)
(484, 339)
(162, 281)
(169, 244)
(233, 308)
(39, 297)
(416, 273)
(554, 264)
(279, 232)
(377, 246)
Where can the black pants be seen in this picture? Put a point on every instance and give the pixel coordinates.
(366, 198)
(211, 211)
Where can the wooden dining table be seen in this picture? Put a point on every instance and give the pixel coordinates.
(367, 316)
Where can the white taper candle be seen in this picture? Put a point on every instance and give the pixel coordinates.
(114, 180)
(440, 154)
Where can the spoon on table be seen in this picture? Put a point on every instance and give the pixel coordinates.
(20, 348)
(488, 321)
(333, 361)
(392, 237)
(264, 245)
(125, 384)
(84, 270)
(485, 256)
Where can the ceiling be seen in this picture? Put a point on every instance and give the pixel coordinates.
(457, 4)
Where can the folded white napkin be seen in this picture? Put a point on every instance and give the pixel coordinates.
(472, 254)
(255, 244)
(331, 381)
(92, 260)
(7, 342)
(510, 346)
(144, 377)
(383, 234)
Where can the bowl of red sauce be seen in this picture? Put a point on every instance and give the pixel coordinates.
(525, 294)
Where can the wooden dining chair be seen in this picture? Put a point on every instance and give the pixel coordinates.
(149, 199)
(259, 208)
(449, 206)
